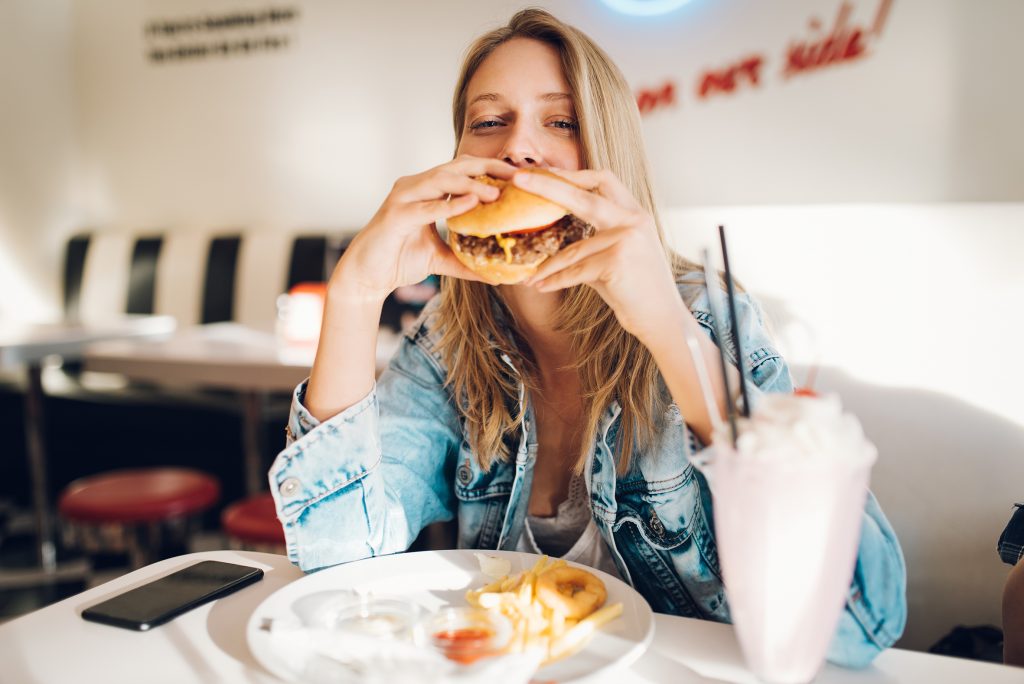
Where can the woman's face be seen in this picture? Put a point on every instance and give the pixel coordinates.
(519, 108)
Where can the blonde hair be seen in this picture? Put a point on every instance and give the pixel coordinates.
(612, 364)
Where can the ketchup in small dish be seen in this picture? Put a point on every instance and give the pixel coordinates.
(464, 645)
(466, 635)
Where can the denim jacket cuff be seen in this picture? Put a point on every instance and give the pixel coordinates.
(300, 421)
(298, 478)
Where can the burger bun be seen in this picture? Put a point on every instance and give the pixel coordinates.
(515, 209)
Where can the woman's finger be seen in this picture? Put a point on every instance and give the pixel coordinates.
(589, 206)
(581, 273)
(574, 253)
(442, 183)
(432, 211)
(444, 262)
(449, 265)
(481, 166)
(601, 181)
(457, 177)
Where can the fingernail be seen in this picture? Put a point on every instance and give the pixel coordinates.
(521, 179)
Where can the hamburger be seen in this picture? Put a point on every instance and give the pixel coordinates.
(504, 241)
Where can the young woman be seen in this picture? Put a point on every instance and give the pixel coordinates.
(555, 415)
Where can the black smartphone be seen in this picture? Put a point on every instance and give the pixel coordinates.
(168, 597)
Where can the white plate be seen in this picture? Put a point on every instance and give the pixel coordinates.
(439, 578)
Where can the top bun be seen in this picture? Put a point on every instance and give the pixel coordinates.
(515, 209)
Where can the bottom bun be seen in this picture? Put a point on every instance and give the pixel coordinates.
(496, 271)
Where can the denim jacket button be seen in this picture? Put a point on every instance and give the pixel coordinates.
(656, 525)
(289, 486)
(464, 475)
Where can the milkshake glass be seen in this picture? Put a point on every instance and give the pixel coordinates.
(788, 510)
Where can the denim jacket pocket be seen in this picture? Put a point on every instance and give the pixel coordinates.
(473, 483)
(483, 499)
(663, 509)
(667, 542)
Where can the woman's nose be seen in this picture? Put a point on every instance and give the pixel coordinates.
(520, 161)
(520, 149)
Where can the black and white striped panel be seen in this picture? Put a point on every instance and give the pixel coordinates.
(75, 252)
(218, 302)
(142, 275)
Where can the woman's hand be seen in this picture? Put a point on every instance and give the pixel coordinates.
(400, 245)
(623, 261)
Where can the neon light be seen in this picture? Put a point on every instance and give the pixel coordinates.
(645, 8)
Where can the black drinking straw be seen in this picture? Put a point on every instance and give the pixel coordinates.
(735, 323)
(712, 285)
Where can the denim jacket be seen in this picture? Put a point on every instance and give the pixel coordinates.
(366, 482)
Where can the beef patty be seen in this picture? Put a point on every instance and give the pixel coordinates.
(564, 232)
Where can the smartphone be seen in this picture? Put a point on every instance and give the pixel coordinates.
(168, 597)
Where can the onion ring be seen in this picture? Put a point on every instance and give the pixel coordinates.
(573, 592)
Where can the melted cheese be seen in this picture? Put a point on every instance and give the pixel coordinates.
(506, 244)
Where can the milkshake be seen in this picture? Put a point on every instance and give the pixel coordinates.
(788, 507)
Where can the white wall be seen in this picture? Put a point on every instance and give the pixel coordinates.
(928, 115)
(887, 255)
(318, 132)
(37, 155)
(912, 314)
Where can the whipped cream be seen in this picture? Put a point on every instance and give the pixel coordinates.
(788, 427)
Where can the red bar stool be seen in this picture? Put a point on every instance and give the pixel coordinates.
(252, 524)
(137, 511)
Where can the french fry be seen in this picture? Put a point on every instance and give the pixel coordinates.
(604, 615)
(571, 641)
(577, 637)
(525, 591)
(554, 565)
(535, 625)
(493, 586)
(557, 622)
(473, 595)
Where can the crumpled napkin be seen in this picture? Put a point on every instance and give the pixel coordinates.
(319, 654)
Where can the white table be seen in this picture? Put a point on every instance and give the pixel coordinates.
(28, 346)
(208, 644)
(222, 356)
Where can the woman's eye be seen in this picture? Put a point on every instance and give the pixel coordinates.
(478, 125)
(566, 125)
